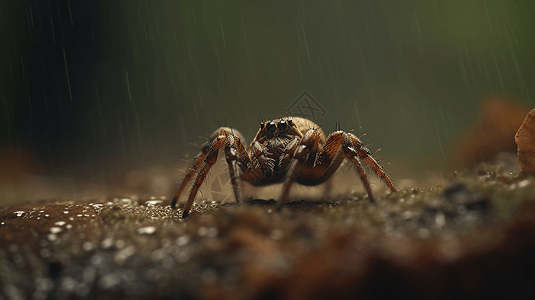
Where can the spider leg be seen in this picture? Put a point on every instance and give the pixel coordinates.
(357, 148)
(199, 160)
(301, 156)
(379, 171)
(261, 163)
(209, 161)
(354, 147)
(339, 145)
(236, 156)
(363, 178)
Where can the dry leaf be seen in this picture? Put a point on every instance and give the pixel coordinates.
(525, 142)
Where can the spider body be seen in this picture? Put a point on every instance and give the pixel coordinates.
(284, 150)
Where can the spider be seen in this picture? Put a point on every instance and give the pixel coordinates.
(286, 150)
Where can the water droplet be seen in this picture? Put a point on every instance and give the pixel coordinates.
(106, 243)
(440, 219)
(68, 283)
(59, 223)
(202, 231)
(97, 259)
(120, 244)
(122, 255)
(19, 213)
(158, 255)
(125, 201)
(153, 202)
(212, 232)
(13, 292)
(108, 281)
(523, 183)
(43, 284)
(146, 230)
(183, 240)
(165, 243)
(88, 246)
(55, 230)
(183, 256)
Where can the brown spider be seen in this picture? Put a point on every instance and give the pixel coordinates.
(284, 150)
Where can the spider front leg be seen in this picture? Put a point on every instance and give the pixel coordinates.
(304, 154)
(223, 138)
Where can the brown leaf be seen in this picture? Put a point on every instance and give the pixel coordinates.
(525, 142)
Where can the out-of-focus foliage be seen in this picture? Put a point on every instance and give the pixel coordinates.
(93, 87)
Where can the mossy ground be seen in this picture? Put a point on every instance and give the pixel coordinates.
(140, 248)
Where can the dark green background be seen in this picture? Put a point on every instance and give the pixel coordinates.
(147, 78)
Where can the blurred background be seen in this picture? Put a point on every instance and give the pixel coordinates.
(95, 95)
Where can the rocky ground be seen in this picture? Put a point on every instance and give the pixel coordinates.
(473, 237)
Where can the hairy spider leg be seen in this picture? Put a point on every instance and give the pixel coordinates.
(209, 161)
(236, 156)
(238, 162)
(352, 147)
(260, 160)
(304, 154)
(363, 178)
(199, 160)
(328, 161)
(380, 172)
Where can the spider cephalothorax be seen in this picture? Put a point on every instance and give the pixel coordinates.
(284, 150)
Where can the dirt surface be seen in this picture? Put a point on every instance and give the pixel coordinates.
(471, 238)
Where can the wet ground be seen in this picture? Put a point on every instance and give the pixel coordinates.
(473, 237)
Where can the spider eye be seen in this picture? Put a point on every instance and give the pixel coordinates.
(290, 122)
(262, 125)
(283, 126)
(270, 127)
